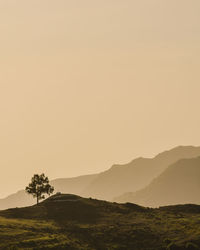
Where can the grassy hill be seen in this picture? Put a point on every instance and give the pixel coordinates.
(178, 184)
(72, 222)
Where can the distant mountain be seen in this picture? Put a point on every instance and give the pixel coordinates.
(72, 185)
(178, 184)
(19, 199)
(136, 174)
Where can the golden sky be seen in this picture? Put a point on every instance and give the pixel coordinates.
(86, 84)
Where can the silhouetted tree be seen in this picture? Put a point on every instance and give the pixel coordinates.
(39, 186)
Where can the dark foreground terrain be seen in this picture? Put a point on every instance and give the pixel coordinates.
(72, 222)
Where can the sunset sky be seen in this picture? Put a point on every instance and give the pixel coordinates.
(85, 84)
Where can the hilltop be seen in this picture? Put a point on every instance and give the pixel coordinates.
(72, 222)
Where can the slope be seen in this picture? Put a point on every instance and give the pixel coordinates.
(72, 222)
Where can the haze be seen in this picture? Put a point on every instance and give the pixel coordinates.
(86, 84)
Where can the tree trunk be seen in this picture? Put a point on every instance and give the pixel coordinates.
(37, 199)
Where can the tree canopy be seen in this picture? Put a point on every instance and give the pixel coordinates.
(39, 186)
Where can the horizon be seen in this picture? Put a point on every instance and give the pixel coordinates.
(128, 162)
(86, 85)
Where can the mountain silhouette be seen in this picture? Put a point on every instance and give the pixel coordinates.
(178, 184)
(74, 185)
(116, 181)
(136, 174)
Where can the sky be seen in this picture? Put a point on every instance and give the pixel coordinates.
(87, 84)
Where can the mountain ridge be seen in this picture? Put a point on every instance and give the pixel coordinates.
(117, 180)
(179, 183)
(136, 174)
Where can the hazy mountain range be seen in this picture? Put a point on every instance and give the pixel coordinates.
(178, 184)
(136, 174)
(168, 178)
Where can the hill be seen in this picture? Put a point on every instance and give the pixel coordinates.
(72, 222)
(136, 174)
(178, 184)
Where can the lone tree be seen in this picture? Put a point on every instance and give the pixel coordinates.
(39, 186)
